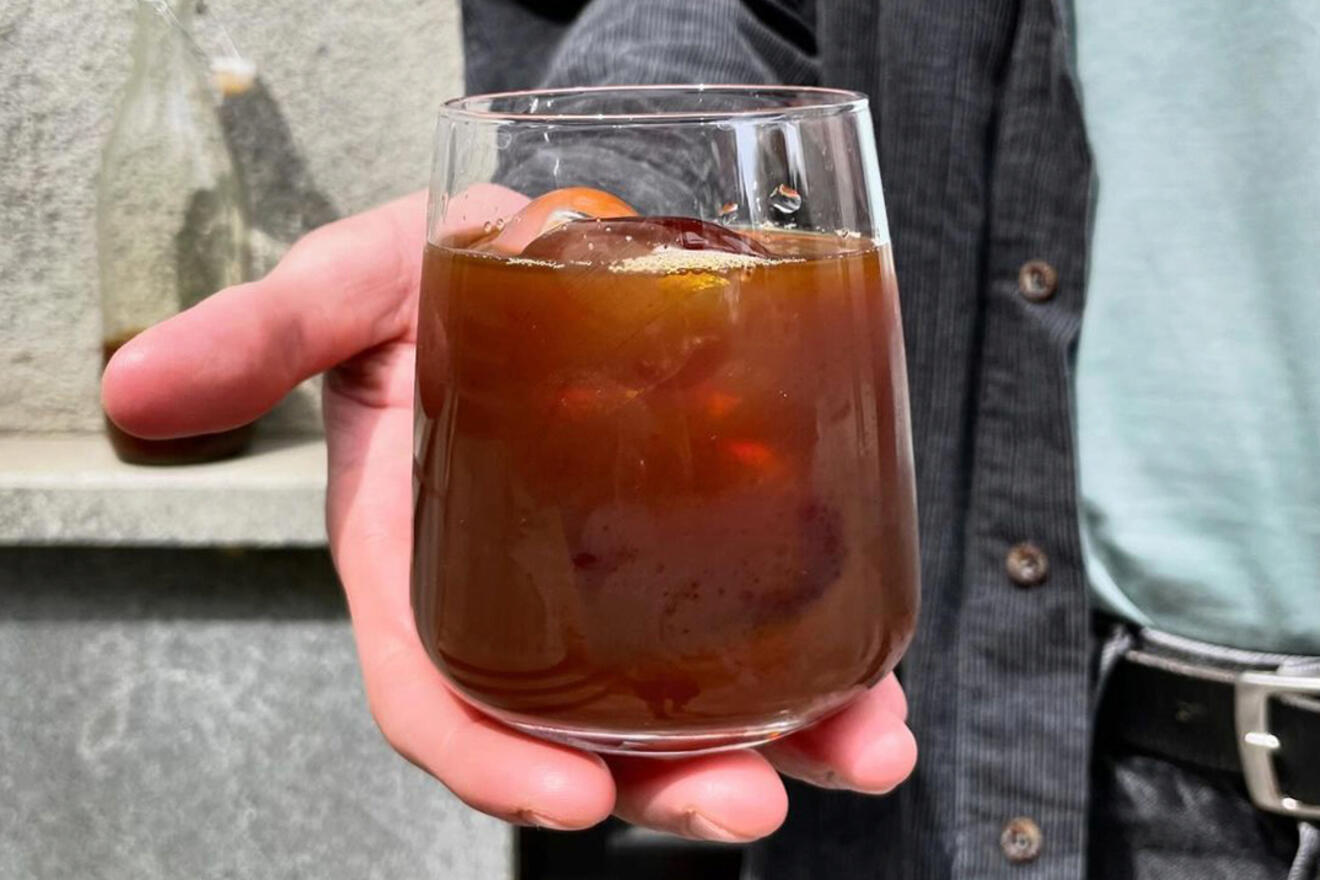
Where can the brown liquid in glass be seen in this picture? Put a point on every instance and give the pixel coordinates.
(660, 499)
(180, 450)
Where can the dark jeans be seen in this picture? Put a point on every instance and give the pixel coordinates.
(1157, 819)
(1152, 818)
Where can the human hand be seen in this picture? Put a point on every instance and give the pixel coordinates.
(344, 302)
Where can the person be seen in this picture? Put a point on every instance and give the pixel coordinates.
(1127, 509)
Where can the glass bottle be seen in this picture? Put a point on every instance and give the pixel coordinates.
(171, 223)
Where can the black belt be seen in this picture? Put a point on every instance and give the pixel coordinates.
(1256, 723)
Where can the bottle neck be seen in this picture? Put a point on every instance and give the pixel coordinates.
(162, 37)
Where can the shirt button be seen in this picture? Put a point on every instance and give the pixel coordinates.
(1037, 280)
(1020, 840)
(1027, 564)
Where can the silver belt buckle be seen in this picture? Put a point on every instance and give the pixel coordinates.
(1257, 745)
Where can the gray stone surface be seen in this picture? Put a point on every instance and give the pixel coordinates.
(72, 490)
(169, 713)
(342, 119)
(199, 714)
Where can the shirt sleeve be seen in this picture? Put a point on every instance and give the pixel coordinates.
(513, 44)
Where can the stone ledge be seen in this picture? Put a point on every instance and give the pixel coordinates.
(70, 489)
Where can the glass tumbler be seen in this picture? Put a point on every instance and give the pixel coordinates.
(663, 473)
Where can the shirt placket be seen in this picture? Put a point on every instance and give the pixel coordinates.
(1023, 667)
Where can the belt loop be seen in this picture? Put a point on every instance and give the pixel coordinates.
(1116, 646)
(1308, 853)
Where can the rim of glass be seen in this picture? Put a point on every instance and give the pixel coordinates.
(818, 101)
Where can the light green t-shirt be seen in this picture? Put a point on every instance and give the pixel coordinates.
(1198, 370)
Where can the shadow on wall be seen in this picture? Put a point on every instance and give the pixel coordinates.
(283, 200)
(284, 204)
(168, 584)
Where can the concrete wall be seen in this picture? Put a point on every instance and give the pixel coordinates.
(196, 713)
(342, 118)
(199, 714)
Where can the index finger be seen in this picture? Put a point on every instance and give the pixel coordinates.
(347, 287)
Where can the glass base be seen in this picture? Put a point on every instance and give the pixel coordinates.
(660, 743)
(653, 744)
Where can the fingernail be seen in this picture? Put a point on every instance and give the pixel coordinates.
(799, 767)
(530, 817)
(865, 786)
(701, 826)
(816, 774)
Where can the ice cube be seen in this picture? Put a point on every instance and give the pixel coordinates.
(613, 240)
(669, 324)
(547, 213)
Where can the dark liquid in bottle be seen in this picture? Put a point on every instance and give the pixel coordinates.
(663, 493)
(181, 450)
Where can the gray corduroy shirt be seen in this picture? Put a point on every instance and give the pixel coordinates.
(987, 179)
